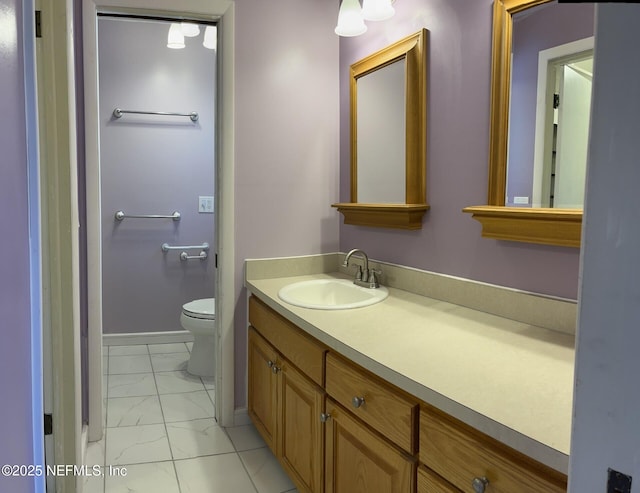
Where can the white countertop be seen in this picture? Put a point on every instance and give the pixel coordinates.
(510, 380)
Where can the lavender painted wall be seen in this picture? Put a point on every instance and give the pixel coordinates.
(286, 161)
(154, 165)
(457, 163)
(560, 24)
(15, 305)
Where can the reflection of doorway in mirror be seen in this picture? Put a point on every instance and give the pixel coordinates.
(562, 125)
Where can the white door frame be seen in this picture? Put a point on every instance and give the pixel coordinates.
(60, 224)
(223, 12)
(544, 118)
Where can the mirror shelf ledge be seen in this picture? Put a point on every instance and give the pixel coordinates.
(397, 216)
(560, 227)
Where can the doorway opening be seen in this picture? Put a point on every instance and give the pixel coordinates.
(563, 109)
(142, 235)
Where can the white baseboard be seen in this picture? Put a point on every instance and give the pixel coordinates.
(134, 338)
(241, 417)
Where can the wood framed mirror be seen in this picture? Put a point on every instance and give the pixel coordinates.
(518, 219)
(388, 113)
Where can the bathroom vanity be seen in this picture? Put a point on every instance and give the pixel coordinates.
(411, 394)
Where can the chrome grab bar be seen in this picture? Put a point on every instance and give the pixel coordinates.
(120, 215)
(201, 256)
(166, 247)
(118, 112)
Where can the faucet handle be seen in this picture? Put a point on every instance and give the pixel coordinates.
(373, 277)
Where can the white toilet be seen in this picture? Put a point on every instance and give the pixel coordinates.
(199, 318)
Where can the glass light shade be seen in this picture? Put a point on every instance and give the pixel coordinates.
(175, 39)
(377, 10)
(190, 29)
(210, 37)
(350, 21)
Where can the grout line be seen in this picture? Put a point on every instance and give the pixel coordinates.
(166, 431)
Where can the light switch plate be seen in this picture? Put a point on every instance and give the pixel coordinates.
(205, 204)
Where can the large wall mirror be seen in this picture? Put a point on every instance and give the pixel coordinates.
(388, 92)
(540, 105)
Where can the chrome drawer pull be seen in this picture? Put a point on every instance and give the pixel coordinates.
(479, 484)
(357, 401)
(324, 417)
(270, 364)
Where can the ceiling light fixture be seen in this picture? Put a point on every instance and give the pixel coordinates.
(377, 10)
(190, 29)
(175, 40)
(210, 38)
(351, 16)
(350, 20)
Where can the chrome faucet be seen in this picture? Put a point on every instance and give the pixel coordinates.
(365, 277)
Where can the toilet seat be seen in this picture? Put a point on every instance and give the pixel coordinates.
(204, 309)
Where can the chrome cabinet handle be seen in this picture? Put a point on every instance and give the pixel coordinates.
(479, 484)
(357, 401)
(275, 369)
(324, 417)
(270, 364)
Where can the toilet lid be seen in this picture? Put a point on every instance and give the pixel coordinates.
(205, 308)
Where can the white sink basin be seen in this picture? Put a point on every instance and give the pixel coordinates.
(331, 294)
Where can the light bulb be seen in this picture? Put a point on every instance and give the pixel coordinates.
(210, 38)
(350, 21)
(175, 39)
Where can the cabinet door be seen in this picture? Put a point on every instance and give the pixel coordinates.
(430, 482)
(300, 444)
(359, 461)
(263, 389)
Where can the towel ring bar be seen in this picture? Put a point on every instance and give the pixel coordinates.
(118, 112)
(120, 215)
(166, 247)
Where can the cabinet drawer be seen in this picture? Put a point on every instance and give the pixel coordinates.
(430, 482)
(299, 348)
(384, 408)
(459, 454)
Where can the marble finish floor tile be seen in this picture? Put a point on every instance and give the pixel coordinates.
(175, 382)
(179, 347)
(154, 477)
(183, 450)
(209, 382)
(128, 350)
(169, 361)
(131, 385)
(131, 411)
(137, 444)
(93, 484)
(214, 474)
(187, 406)
(137, 363)
(197, 438)
(245, 437)
(265, 471)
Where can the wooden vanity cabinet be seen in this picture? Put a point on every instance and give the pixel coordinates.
(262, 387)
(338, 428)
(359, 460)
(284, 403)
(461, 455)
(430, 482)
